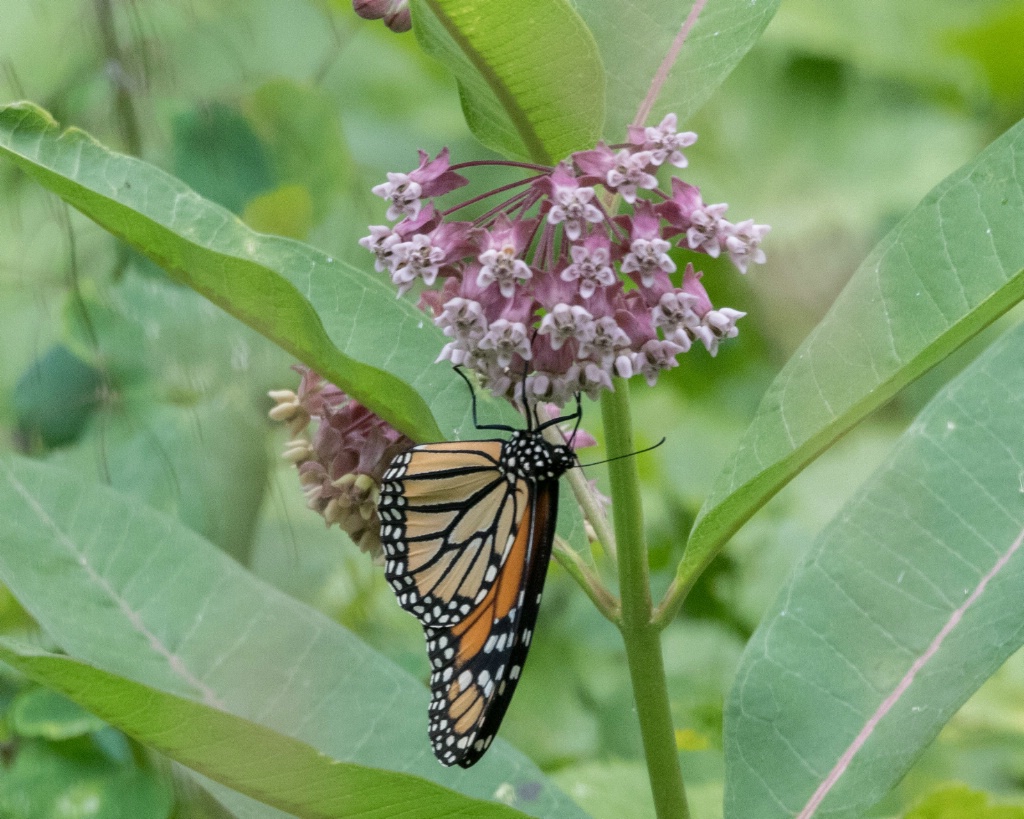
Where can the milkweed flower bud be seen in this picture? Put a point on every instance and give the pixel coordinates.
(288, 408)
(548, 283)
(342, 462)
(394, 13)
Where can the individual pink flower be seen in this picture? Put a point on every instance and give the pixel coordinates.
(381, 243)
(405, 191)
(648, 252)
(571, 204)
(501, 249)
(590, 265)
(663, 141)
(654, 357)
(716, 325)
(506, 339)
(621, 171)
(676, 317)
(425, 254)
(606, 342)
(743, 244)
(567, 322)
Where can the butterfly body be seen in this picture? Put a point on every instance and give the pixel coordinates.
(467, 529)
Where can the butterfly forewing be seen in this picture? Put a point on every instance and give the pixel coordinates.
(447, 520)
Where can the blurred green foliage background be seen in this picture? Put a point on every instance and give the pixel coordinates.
(840, 119)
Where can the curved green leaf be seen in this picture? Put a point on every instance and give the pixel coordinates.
(908, 602)
(343, 322)
(949, 269)
(251, 758)
(530, 76)
(634, 38)
(157, 604)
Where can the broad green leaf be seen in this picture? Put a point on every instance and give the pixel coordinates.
(907, 603)
(251, 758)
(529, 74)
(158, 605)
(949, 269)
(206, 463)
(225, 803)
(343, 322)
(634, 39)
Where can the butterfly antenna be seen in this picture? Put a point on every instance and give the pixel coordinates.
(579, 420)
(627, 455)
(472, 396)
(531, 420)
(472, 392)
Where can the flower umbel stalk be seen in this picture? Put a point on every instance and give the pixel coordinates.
(640, 635)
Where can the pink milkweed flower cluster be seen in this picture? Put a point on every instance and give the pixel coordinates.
(548, 281)
(341, 465)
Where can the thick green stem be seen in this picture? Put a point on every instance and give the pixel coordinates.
(639, 633)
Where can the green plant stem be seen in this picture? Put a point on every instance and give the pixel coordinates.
(639, 633)
(604, 600)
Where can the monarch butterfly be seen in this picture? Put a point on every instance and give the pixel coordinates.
(467, 529)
